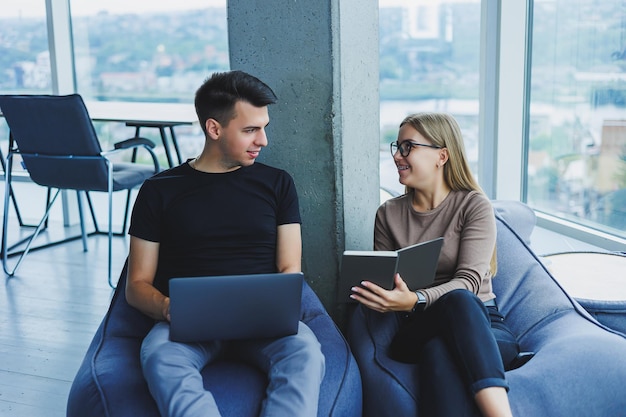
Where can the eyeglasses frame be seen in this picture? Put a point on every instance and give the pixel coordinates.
(412, 145)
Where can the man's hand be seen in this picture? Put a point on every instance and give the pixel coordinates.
(401, 298)
(166, 308)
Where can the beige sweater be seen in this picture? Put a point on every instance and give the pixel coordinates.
(466, 221)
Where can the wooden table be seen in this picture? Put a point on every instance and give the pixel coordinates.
(590, 275)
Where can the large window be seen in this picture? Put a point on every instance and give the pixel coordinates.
(142, 50)
(577, 130)
(429, 61)
(147, 51)
(115, 51)
(24, 55)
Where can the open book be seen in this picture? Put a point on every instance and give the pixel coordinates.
(416, 264)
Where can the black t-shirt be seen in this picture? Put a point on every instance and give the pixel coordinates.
(214, 224)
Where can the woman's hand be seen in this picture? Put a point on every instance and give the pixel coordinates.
(401, 298)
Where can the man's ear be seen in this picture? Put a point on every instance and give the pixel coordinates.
(213, 128)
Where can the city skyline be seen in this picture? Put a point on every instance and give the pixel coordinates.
(37, 8)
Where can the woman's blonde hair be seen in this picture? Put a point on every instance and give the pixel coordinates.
(442, 130)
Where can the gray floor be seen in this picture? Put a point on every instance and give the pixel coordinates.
(49, 312)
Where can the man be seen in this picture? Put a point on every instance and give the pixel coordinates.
(220, 214)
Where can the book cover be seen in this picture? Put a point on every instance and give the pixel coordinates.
(417, 264)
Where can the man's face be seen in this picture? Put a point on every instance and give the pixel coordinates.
(241, 140)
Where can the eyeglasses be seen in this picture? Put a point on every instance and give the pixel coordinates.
(406, 146)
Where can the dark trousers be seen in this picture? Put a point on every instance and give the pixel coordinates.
(457, 352)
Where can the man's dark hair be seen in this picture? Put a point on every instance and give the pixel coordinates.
(216, 97)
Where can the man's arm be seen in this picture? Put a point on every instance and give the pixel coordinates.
(289, 248)
(140, 293)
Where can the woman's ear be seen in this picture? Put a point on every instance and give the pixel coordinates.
(213, 128)
(443, 156)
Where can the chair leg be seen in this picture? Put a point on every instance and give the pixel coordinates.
(110, 237)
(126, 211)
(12, 195)
(93, 212)
(48, 194)
(83, 233)
(30, 240)
(95, 222)
(16, 208)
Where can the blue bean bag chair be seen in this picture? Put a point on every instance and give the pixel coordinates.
(110, 383)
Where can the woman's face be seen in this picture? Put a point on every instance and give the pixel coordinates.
(419, 168)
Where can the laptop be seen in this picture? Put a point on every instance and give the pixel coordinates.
(234, 307)
(417, 265)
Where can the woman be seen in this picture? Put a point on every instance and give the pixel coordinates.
(446, 327)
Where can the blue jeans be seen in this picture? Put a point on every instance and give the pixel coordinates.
(294, 366)
(457, 352)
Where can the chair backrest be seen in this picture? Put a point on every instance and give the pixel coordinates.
(57, 140)
(527, 293)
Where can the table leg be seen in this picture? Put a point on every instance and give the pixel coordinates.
(166, 147)
(175, 143)
(134, 155)
(11, 195)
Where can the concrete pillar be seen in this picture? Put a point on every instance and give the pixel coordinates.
(321, 59)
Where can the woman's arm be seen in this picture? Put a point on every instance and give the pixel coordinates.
(476, 247)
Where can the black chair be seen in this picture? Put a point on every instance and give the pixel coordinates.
(57, 142)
